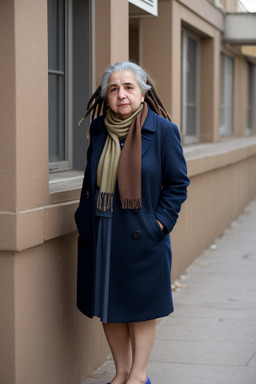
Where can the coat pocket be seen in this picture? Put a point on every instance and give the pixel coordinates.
(154, 227)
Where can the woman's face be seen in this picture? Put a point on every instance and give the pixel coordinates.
(124, 94)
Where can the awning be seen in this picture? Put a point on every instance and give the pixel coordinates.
(139, 8)
(240, 29)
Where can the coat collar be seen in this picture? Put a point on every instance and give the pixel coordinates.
(149, 124)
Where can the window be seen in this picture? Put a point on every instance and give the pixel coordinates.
(59, 74)
(250, 98)
(69, 81)
(226, 97)
(190, 88)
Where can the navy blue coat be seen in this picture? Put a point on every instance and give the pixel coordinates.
(140, 283)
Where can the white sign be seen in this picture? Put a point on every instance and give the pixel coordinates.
(149, 6)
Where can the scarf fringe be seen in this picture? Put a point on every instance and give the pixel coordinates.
(105, 201)
(128, 203)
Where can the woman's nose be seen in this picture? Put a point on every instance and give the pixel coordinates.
(121, 94)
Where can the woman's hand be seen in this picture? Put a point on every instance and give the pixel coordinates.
(160, 225)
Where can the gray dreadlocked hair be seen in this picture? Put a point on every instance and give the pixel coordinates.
(139, 73)
(97, 103)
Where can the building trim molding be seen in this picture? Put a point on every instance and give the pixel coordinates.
(29, 228)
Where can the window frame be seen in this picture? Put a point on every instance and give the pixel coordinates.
(190, 139)
(67, 163)
(226, 129)
(250, 97)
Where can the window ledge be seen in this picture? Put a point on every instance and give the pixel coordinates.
(205, 157)
(65, 186)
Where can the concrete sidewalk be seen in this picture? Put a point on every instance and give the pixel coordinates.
(211, 336)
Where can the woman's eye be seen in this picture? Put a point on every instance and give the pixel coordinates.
(113, 90)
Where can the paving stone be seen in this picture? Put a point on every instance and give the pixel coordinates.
(170, 373)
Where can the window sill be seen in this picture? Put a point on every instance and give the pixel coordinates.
(206, 157)
(65, 186)
(33, 227)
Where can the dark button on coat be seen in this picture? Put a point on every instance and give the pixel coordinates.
(140, 284)
(136, 235)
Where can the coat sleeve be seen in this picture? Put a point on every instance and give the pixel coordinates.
(84, 212)
(174, 178)
(85, 193)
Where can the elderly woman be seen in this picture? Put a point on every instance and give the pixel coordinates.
(135, 182)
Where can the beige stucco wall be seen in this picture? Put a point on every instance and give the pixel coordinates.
(112, 43)
(7, 318)
(44, 338)
(51, 335)
(223, 181)
(7, 98)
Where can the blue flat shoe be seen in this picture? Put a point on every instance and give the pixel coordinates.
(147, 382)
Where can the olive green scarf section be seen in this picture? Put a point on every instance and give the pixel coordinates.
(125, 164)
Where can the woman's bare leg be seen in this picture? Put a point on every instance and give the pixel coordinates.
(142, 338)
(118, 338)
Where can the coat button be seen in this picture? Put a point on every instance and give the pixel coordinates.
(87, 194)
(137, 235)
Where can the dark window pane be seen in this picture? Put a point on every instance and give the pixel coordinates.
(56, 79)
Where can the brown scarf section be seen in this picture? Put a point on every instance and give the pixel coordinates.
(129, 169)
(124, 165)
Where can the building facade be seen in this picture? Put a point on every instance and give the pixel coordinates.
(52, 56)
